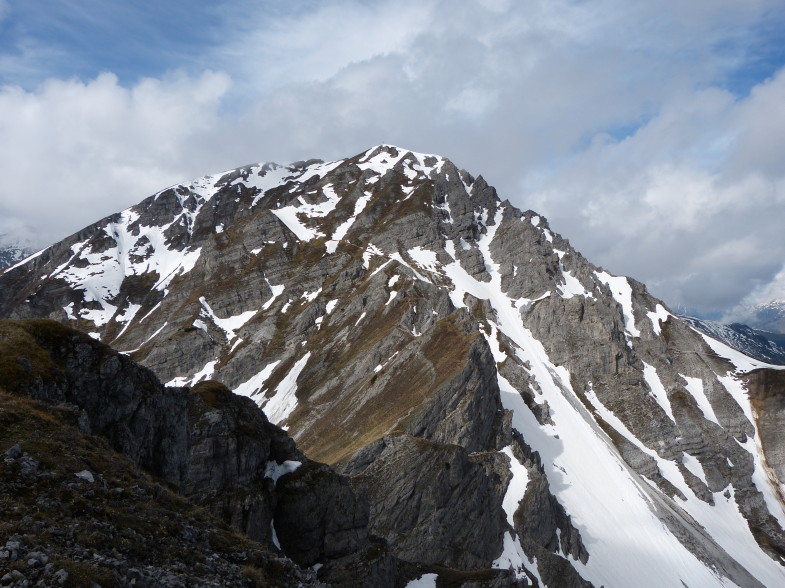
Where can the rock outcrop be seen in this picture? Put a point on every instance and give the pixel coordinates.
(215, 448)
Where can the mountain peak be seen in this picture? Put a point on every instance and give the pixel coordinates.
(467, 367)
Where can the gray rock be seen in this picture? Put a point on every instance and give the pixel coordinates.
(14, 452)
(60, 577)
(221, 446)
(85, 475)
(438, 512)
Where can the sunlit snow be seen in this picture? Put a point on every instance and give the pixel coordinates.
(657, 389)
(284, 400)
(660, 315)
(622, 293)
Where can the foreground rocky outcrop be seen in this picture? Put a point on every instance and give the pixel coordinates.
(77, 513)
(83, 418)
(500, 401)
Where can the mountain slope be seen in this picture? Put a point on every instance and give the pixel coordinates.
(79, 421)
(12, 253)
(500, 400)
(756, 344)
(214, 448)
(768, 316)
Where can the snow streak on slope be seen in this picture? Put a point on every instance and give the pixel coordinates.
(763, 481)
(572, 286)
(23, 261)
(741, 362)
(585, 466)
(229, 325)
(284, 401)
(723, 521)
(255, 384)
(660, 315)
(657, 389)
(627, 542)
(136, 251)
(622, 292)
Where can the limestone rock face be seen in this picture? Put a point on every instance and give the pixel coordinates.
(396, 317)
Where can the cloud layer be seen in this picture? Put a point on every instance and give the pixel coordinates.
(651, 135)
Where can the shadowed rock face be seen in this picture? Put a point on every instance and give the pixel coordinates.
(394, 315)
(447, 492)
(218, 448)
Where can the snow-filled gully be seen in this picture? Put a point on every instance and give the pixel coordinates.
(611, 505)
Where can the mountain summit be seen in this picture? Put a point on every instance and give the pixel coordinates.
(502, 402)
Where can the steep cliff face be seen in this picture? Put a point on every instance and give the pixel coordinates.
(77, 513)
(216, 448)
(500, 401)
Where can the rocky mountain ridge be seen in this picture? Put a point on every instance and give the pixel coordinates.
(759, 345)
(501, 402)
(12, 253)
(769, 316)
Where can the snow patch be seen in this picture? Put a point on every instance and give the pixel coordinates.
(284, 400)
(288, 215)
(276, 292)
(204, 374)
(693, 465)
(426, 259)
(660, 315)
(341, 231)
(424, 581)
(229, 325)
(311, 296)
(741, 362)
(657, 389)
(255, 383)
(572, 286)
(274, 470)
(622, 293)
(695, 388)
(517, 486)
(512, 558)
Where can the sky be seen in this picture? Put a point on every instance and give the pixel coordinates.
(650, 134)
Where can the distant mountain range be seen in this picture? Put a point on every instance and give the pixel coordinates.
(763, 345)
(12, 253)
(504, 412)
(769, 316)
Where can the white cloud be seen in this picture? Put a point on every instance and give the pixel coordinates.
(696, 194)
(313, 46)
(74, 152)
